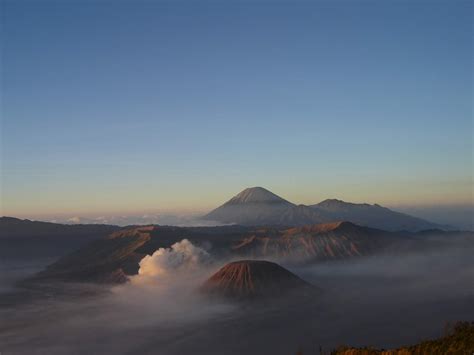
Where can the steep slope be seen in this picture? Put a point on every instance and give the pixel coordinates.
(258, 206)
(374, 216)
(250, 279)
(315, 242)
(105, 260)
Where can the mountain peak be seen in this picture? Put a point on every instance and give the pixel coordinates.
(255, 195)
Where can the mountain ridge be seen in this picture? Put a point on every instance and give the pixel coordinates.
(258, 206)
(374, 215)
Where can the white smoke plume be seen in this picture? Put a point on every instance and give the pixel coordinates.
(166, 288)
(182, 255)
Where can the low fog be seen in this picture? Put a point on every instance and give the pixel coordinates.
(164, 218)
(383, 301)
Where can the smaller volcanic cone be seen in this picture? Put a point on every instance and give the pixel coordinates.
(251, 279)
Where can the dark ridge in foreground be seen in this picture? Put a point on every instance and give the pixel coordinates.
(253, 279)
(458, 341)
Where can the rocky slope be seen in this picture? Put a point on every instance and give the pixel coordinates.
(328, 241)
(105, 261)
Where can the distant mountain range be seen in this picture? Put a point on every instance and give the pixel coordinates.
(257, 206)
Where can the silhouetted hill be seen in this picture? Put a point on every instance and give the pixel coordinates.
(22, 238)
(11, 227)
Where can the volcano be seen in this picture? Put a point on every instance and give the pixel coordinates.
(256, 206)
(252, 206)
(254, 279)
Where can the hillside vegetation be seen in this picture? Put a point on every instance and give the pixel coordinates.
(459, 341)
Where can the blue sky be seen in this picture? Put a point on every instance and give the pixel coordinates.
(131, 106)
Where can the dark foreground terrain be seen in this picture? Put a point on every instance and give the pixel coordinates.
(458, 340)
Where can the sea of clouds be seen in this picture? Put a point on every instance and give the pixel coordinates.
(383, 301)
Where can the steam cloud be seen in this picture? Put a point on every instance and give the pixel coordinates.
(182, 255)
(166, 288)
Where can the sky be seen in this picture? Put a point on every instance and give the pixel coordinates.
(136, 106)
